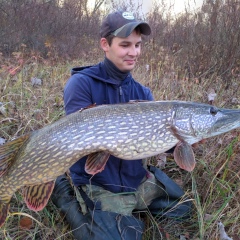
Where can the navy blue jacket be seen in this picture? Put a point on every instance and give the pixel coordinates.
(89, 85)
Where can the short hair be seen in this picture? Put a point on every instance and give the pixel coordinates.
(110, 37)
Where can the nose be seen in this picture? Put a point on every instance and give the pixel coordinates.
(133, 51)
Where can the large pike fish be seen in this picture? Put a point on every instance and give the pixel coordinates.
(128, 131)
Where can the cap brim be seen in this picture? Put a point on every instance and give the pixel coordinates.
(127, 29)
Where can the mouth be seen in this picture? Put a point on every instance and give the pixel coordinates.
(130, 61)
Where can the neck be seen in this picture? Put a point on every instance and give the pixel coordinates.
(113, 72)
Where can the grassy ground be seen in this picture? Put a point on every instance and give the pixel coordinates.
(213, 185)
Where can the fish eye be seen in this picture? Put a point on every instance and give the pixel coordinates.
(213, 111)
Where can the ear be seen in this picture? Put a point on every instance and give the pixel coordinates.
(104, 44)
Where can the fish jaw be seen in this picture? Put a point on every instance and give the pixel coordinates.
(226, 120)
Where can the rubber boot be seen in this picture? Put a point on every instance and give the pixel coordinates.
(174, 204)
(97, 225)
(63, 198)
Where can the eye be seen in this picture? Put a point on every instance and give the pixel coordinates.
(124, 44)
(213, 111)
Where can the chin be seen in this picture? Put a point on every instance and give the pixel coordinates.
(128, 68)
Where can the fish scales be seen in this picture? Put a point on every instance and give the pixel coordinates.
(128, 131)
(62, 138)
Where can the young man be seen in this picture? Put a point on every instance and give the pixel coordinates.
(105, 201)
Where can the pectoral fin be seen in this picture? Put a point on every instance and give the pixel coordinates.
(184, 156)
(96, 162)
(8, 152)
(36, 197)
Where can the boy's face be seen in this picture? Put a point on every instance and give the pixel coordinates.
(123, 52)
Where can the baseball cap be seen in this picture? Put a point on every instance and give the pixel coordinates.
(121, 24)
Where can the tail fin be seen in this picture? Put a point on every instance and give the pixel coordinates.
(8, 152)
(4, 208)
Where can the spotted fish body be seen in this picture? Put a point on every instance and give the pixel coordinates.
(128, 131)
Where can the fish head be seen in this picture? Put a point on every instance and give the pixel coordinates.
(193, 122)
(225, 121)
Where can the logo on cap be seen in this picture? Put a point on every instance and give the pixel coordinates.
(128, 15)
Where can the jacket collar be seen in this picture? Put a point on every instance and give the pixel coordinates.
(98, 72)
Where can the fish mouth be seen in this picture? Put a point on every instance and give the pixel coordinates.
(229, 119)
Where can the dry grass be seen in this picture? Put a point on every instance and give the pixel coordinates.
(214, 184)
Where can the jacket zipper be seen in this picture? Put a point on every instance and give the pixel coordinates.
(120, 94)
(120, 167)
(120, 176)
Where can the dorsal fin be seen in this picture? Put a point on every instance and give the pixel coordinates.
(4, 208)
(37, 196)
(8, 151)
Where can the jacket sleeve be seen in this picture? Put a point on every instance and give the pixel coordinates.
(150, 96)
(77, 93)
(147, 94)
